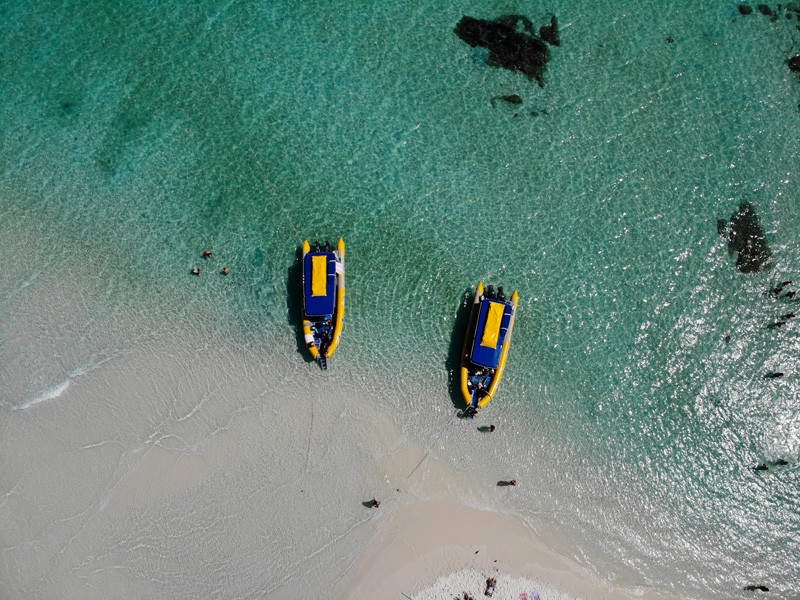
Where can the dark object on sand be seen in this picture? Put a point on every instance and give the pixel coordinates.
(511, 99)
(509, 47)
(746, 237)
(503, 483)
(745, 10)
(753, 588)
(491, 585)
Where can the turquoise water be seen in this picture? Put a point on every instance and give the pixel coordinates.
(135, 136)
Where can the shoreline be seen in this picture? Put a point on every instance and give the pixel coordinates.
(201, 430)
(439, 548)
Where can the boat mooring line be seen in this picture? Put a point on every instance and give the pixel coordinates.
(444, 246)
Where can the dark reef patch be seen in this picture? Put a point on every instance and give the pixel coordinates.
(789, 11)
(746, 238)
(511, 99)
(512, 43)
(549, 33)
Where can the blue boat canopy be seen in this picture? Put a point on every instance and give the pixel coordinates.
(490, 332)
(319, 283)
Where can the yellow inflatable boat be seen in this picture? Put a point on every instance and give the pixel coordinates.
(323, 298)
(486, 346)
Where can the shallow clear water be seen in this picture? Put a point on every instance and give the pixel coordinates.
(134, 137)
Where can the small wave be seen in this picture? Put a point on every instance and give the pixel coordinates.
(48, 394)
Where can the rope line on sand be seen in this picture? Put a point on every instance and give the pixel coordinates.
(449, 423)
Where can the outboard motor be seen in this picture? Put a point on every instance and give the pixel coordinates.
(500, 294)
(490, 292)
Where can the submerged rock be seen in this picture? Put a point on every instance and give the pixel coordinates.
(747, 238)
(511, 99)
(550, 33)
(745, 10)
(508, 47)
(794, 64)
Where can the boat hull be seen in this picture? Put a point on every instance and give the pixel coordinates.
(321, 339)
(476, 397)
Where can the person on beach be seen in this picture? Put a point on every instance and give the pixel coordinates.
(512, 482)
(491, 584)
(375, 503)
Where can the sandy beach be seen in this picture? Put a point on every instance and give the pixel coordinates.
(439, 548)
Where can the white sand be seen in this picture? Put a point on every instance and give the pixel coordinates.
(436, 549)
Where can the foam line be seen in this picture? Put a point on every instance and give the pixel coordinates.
(48, 394)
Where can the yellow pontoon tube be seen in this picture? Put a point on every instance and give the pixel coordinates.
(486, 347)
(323, 298)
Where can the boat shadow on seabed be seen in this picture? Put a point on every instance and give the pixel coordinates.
(453, 362)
